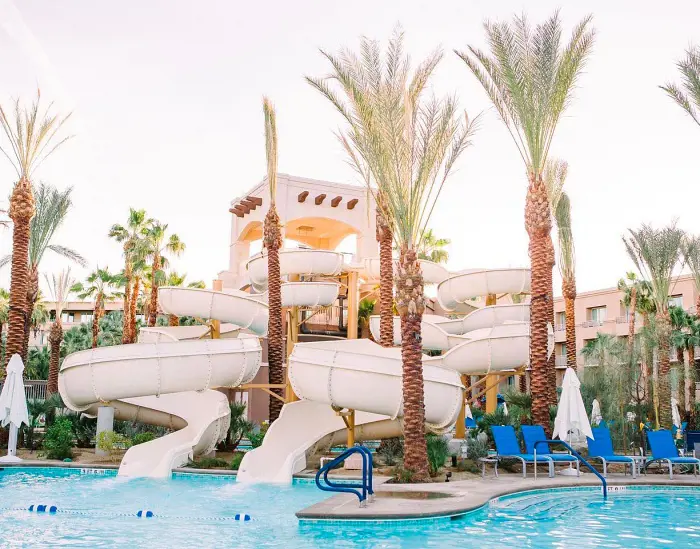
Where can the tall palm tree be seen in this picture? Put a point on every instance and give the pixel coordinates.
(32, 137)
(100, 286)
(555, 175)
(159, 243)
(656, 253)
(132, 237)
(687, 95)
(684, 337)
(691, 256)
(178, 280)
(530, 77)
(52, 207)
(410, 145)
(433, 249)
(60, 288)
(272, 241)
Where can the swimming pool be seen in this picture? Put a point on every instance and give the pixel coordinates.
(99, 510)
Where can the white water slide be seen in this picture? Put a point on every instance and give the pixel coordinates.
(361, 375)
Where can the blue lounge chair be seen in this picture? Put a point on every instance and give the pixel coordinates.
(535, 433)
(507, 447)
(601, 448)
(663, 449)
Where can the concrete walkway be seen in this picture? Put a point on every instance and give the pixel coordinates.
(415, 501)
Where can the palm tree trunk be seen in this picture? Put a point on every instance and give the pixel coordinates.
(411, 305)
(55, 339)
(32, 296)
(127, 301)
(386, 282)
(275, 336)
(21, 212)
(690, 385)
(632, 317)
(569, 292)
(539, 224)
(551, 359)
(153, 307)
(132, 309)
(664, 386)
(173, 320)
(96, 316)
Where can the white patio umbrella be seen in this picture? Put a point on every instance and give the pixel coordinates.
(571, 413)
(596, 416)
(676, 415)
(468, 411)
(13, 406)
(505, 409)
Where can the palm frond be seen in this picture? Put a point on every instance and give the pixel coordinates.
(687, 96)
(60, 287)
(271, 147)
(68, 253)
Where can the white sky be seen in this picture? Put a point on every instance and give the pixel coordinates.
(167, 115)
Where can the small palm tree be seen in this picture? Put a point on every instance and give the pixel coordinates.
(691, 256)
(685, 335)
(132, 237)
(158, 243)
(364, 312)
(32, 136)
(272, 242)
(529, 77)
(656, 253)
(60, 288)
(433, 249)
(178, 280)
(687, 95)
(410, 145)
(555, 176)
(100, 286)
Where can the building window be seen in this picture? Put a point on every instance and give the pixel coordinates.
(86, 318)
(560, 321)
(596, 315)
(675, 301)
(562, 349)
(68, 317)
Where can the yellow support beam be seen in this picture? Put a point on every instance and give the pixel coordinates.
(491, 379)
(217, 286)
(460, 428)
(292, 340)
(353, 304)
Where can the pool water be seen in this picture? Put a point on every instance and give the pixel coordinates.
(99, 510)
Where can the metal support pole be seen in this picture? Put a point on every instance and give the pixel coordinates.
(351, 428)
(460, 428)
(217, 286)
(491, 379)
(353, 304)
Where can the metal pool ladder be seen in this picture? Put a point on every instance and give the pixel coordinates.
(579, 457)
(364, 490)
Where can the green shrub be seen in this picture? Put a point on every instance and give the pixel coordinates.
(110, 442)
(140, 438)
(237, 458)
(391, 451)
(476, 449)
(401, 476)
(256, 438)
(438, 451)
(58, 442)
(469, 466)
(208, 463)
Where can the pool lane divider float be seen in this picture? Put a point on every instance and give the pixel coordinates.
(141, 513)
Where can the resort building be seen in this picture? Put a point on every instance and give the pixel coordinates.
(75, 313)
(604, 311)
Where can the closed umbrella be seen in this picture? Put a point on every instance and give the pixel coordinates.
(571, 413)
(675, 413)
(13, 405)
(596, 416)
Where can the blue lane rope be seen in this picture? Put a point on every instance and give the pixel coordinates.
(141, 513)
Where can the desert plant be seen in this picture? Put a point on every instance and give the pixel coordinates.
(239, 426)
(111, 442)
(401, 475)
(208, 463)
(256, 436)
(390, 451)
(236, 461)
(438, 452)
(141, 438)
(477, 448)
(58, 441)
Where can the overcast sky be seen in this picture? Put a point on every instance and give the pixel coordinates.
(166, 98)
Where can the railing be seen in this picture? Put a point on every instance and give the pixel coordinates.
(34, 389)
(360, 490)
(579, 457)
(560, 327)
(560, 361)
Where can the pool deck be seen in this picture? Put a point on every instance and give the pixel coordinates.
(464, 496)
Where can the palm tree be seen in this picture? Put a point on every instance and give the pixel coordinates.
(432, 248)
(131, 236)
(4, 307)
(32, 138)
(530, 78)
(178, 280)
(272, 242)
(655, 253)
(691, 256)
(364, 311)
(60, 288)
(685, 336)
(99, 286)
(554, 176)
(687, 96)
(52, 208)
(410, 145)
(604, 350)
(159, 243)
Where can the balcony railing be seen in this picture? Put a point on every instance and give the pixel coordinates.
(560, 327)
(592, 323)
(34, 389)
(560, 362)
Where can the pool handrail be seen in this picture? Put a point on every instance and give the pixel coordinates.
(360, 490)
(579, 457)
